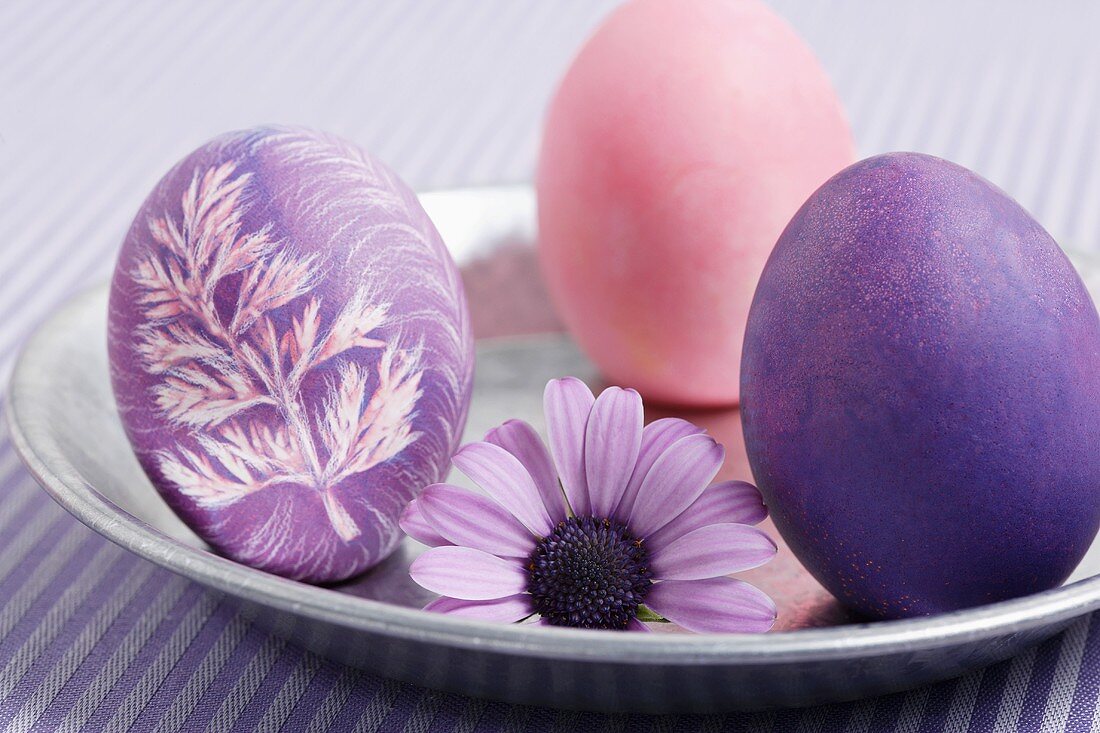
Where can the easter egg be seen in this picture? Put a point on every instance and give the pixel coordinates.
(290, 350)
(921, 392)
(679, 143)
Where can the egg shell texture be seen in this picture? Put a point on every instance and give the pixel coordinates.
(680, 142)
(290, 350)
(921, 392)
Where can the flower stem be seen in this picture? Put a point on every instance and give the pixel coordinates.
(647, 614)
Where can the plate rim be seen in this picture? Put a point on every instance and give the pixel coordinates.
(46, 463)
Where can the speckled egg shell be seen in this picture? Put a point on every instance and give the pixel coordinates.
(290, 350)
(921, 392)
(681, 141)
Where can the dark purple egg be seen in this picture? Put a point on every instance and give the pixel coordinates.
(290, 350)
(921, 392)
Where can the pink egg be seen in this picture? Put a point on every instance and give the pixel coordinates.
(680, 142)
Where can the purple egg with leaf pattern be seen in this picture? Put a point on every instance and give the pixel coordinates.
(920, 390)
(290, 350)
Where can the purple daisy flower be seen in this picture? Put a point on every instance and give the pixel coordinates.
(622, 522)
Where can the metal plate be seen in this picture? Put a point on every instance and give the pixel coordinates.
(67, 431)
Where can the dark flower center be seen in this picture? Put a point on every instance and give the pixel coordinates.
(589, 573)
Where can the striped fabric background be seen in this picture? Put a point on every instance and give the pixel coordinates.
(98, 99)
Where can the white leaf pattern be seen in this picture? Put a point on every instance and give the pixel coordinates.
(213, 373)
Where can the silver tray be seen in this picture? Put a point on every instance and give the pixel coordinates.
(65, 427)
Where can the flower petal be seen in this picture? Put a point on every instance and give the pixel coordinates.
(636, 625)
(521, 440)
(612, 439)
(676, 480)
(713, 605)
(567, 403)
(471, 520)
(711, 551)
(737, 502)
(506, 480)
(505, 610)
(415, 525)
(656, 438)
(468, 574)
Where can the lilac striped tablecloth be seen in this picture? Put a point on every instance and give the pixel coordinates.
(97, 99)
